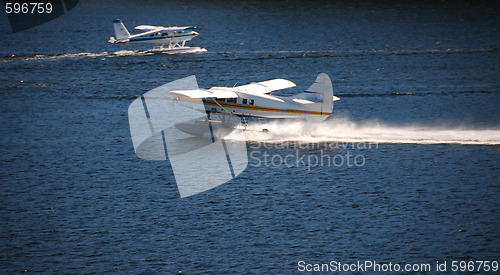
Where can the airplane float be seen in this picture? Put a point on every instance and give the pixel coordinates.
(174, 37)
(254, 100)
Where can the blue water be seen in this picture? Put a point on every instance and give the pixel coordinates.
(76, 199)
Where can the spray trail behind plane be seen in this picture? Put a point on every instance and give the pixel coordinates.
(345, 130)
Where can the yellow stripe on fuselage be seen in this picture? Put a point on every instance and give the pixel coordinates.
(260, 108)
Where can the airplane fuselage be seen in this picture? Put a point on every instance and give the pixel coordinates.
(256, 100)
(163, 37)
(172, 36)
(266, 106)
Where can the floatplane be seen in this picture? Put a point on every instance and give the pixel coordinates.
(174, 38)
(223, 104)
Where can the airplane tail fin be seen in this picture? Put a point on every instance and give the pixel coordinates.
(121, 31)
(321, 91)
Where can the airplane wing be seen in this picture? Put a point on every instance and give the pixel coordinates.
(205, 93)
(160, 28)
(266, 87)
(149, 28)
(277, 84)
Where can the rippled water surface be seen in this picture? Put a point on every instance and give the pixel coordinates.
(405, 171)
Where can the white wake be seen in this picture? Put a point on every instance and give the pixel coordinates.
(346, 130)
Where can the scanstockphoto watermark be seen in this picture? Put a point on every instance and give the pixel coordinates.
(477, 266)
(294, 154)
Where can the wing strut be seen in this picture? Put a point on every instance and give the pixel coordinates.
(242, 119)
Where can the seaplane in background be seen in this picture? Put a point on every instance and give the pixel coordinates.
(254, 100)
(173, 37)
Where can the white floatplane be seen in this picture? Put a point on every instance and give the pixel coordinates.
(174, 38)
(255, 100)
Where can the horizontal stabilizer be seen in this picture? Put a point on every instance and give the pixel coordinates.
(306, 101)
(205, 93)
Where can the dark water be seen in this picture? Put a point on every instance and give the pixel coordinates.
(75, 198)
